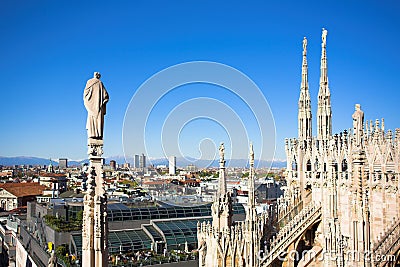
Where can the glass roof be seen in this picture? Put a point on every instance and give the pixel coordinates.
(125, 241)
(120, 212)
(176, 232)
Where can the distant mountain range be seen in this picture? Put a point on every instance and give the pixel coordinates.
(10, 161)
(180, 162)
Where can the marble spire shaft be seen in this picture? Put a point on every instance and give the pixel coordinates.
(304, 68)
(251, 198)
(324, 112)
(222, 180)
(304, 112)
(324, 66)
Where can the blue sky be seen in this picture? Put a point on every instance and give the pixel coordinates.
(49, 49)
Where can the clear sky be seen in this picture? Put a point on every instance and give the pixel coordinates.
(48, 50)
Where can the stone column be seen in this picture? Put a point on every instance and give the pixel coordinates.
(360, 224)
(88, 222)
(95, 226)
(100, 225)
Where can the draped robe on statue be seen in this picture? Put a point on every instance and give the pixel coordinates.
(95, 98)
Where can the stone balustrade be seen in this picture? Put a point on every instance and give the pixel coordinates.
(387, 242)
(291, 231)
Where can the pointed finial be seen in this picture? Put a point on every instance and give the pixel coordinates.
(304, 46)
(376, 125)
(371, 127)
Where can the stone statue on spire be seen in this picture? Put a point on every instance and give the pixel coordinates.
(304, 46)
(251, 155)
(221, 152)
(358, 124)
(95, 98)
(324, 34)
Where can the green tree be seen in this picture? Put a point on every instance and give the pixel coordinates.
(79, 216)
(245, 175)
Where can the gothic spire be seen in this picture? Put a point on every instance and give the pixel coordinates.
(304, 112)
(222, 182)
(250, 184)
(324, 112)
(324, 67)
(304, 70)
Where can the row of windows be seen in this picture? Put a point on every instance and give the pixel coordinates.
(316, 165)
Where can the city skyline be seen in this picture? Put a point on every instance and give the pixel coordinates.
(50, 50)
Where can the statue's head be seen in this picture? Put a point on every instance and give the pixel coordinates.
(97, 75)
(358, 106)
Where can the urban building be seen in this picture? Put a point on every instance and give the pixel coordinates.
(136, 162)
(142, 161)
(56, 182)
(63, 163)
(113, 165)
(172, 165)
(15, 195)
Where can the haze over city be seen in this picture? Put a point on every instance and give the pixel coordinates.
(49, 49)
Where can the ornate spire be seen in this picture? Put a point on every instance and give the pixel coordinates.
(222, 181)
(324, 120)
(304, 70)
(304, 113)
(221, 209)
(250, 183)
(324, 67)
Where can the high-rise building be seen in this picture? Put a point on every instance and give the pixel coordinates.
(172, 165)
(142, 161)
(136, 161)
(63, 163)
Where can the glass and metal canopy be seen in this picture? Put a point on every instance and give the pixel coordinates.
(170, 226)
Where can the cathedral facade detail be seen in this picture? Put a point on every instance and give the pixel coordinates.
(227, 243)
(341, 203)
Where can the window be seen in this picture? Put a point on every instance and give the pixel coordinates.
(308, 167)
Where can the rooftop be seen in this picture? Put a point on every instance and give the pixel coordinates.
(23, 189)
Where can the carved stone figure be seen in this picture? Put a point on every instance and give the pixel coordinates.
(324, 34)
(358, 121)
(251, 154)
(95, 98)
(222, 152)
(304, 46)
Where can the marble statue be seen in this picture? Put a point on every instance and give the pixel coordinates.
(222, 152)
(358, 121)
(324, 34)
(251, 154)
(95, 98)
